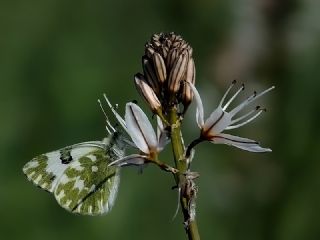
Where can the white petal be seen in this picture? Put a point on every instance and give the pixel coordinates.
(133, 159)
(217, 122)
(162, 135)
(199, 111)
(239, 142)
(160, 127)
(140, 129)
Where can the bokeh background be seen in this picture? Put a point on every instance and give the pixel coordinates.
(58, 57)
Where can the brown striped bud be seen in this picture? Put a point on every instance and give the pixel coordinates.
(159, 67)
(172, 56)
(187, 94)
(147, 92)
(177, 72)
(150, 75)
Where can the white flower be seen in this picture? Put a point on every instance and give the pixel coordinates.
(140, 130)
(220, 120)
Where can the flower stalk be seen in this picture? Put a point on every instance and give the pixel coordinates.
(181, 164)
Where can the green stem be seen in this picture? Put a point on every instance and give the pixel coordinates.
(180, 178)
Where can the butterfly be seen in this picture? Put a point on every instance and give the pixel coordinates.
(79, 176)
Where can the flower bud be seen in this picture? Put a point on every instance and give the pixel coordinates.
(187, 94)
(147, 92)
(177, 72)
(160, 67)
(166, 64)
(171, 58)
(150, 75)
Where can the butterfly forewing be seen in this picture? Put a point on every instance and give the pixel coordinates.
(44, 170)
(78, 176)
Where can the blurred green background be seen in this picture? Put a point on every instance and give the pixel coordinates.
(58, 57)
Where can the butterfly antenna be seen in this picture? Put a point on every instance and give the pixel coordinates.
(117, 115)
(107, 119)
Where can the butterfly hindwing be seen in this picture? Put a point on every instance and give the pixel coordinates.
(88, 186)
(78, 176)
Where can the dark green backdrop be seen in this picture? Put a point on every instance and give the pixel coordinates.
(58, 57)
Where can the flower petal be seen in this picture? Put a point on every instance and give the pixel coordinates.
(239, 142)
(199, 113)
(140, 129)
(217, 122)
(162, 135)
(133, 159)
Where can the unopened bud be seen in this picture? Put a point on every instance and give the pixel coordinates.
(147, 92)
(166, 65)
(177, 72)
(159, 67)
(150, 75)
(171, 58)
(187, 94)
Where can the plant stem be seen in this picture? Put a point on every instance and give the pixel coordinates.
(180, 178)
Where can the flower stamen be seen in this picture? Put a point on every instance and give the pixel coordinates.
(116, 114)
(245, 115)
(109, 125)
(247, 121)
(233, 97)
(226, 93)
(254, 96)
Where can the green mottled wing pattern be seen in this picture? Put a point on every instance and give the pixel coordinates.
(88, 186)
(78, 176)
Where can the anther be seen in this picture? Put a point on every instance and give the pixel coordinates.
(254, 93)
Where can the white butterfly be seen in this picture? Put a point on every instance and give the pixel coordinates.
(84, 177)
(79, 175)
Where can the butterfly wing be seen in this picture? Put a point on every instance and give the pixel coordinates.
(78, 176)
(88, 186)
(45, 169)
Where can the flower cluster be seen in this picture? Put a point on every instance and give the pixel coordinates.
(168, 81)
(167, 84)
(167, 65)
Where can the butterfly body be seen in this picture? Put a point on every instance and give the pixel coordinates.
(79, 175)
